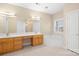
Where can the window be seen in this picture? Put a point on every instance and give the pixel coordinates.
(58, 25)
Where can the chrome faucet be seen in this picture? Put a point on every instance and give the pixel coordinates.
(7, 34)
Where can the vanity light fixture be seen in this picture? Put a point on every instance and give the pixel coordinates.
(12, 15)
(35, 18)
(7, 13)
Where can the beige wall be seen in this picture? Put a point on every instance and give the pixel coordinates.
(59, 14)
(26, 14)
(70, 7)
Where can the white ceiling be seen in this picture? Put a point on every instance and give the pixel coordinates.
(52, 7)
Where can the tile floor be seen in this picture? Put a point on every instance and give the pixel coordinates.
(42, 50)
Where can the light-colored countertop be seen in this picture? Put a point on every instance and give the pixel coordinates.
(18, 34)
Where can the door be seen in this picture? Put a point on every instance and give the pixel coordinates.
(20, 27)
(72, 31)
(3, 25)
(36, 26)
(11, 24)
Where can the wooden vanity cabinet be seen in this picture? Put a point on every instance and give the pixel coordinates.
(10, 44)
(16, 43)
(37, 40)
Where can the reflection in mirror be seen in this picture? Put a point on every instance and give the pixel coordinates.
(7, 23)
(33, 25)
(12, 24)
(20, 27)
(36, 26)
(29, 26)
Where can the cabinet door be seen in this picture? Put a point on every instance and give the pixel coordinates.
(37, 39)
(2, 46)
(12, 24)
(1, 50)
(18, 43)
(40, 39)
(10, 44)
(33, 42)
(7, 45)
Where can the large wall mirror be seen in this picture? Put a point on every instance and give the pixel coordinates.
(11, 24)
(33, 25)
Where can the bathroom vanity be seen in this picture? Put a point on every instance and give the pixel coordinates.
(16, 42)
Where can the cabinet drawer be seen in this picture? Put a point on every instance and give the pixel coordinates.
(17, 39)
(18, 46)
(38, 36)
(18, 42)
(27, 37)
